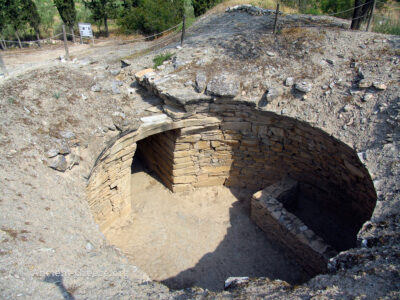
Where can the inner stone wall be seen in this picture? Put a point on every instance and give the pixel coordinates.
(239, 147)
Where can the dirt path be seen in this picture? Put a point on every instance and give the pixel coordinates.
(196, 239)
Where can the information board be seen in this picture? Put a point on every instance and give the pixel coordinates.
(85, 29)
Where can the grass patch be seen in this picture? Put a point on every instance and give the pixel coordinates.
(159, 59)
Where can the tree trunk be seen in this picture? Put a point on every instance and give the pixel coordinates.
(3, 66)
(38, 38)
(360, 13)
(73, 35)
(19, 41)
(106, 25)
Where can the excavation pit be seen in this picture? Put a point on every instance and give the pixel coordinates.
(176, 197)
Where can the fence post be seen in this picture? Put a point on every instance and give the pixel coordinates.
(371, 16)
(65, 43)
(183, 29)
(276, 18)
(3, 66)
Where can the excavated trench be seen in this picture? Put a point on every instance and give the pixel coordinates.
(233, 192)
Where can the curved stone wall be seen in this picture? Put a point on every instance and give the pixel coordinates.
(234, 144)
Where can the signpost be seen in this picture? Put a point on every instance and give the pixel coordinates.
(85, 30)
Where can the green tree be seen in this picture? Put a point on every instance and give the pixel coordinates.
(152, 16)
(201, 6)
(67, 11)
(47, 12)
(102, 10)
(32, 16)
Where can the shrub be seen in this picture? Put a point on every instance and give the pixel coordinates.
(159, 59)
(152, 16)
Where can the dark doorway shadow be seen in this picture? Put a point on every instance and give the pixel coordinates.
(57, 279)
(244, 251)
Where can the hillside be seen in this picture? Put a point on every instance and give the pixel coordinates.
(61, 122)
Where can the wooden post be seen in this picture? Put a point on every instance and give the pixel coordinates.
(371, 16)
(3, 66)
(183, 29)
(72, 33)
(65, 43)
(276, 18)
(19, 41)
(38, 39)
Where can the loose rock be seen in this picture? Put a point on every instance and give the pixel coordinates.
(60, 164)
(303, 86)
(223, 86)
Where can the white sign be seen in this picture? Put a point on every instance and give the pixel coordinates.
(85, 29)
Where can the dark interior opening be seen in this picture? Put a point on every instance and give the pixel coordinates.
(326, 213)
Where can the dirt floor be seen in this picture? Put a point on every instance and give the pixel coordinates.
(196, 239)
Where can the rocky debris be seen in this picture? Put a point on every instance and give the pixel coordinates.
(289, 81)
(330, 61)
(367, 97)
(223, 86)
(364, 83)
(52, 153)
(177, 62)
(124, 64)
(115, 72)
(271, 54)
(252, 10)
(67, 134)
(96, 88)
(140, 75)
(120, 121)
(115, 87)
(303, 86)
(59, 164)
(64, 148)
(73, 160)
(379, 86)
(201, 82)
(274, 93)
(235, 281)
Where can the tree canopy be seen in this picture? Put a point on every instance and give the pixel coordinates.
(66, 9)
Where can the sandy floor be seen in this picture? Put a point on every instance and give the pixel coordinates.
(198, 238)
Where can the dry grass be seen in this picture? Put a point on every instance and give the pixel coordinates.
(268, 4)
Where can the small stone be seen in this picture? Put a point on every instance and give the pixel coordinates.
(84, 97)
(64, 148)
(115, 87)
(67, 134)
(59, 164)
(362, 46)
(367, 97)
(234, 281)
(289, 81)
(330, 61)
(303, 86)
(73, 160)
(201, 82)
(89, 246)
(223, 86)
(124, 64)
(161, 67)
(271, 54)
(52, 153)
(115, 72)
(188, 83)
(96, 88)
(274, 93)
(347, 108)
(364, 83)
(379, 86)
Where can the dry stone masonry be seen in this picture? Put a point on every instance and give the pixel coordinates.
(228, 142)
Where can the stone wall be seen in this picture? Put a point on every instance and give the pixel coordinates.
(267, 210)
(108, 190)
(234, 144)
